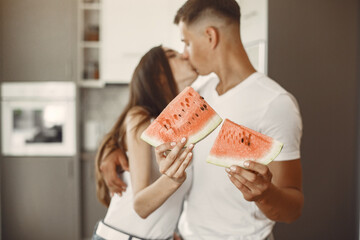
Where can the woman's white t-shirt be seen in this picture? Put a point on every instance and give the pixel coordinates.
(160, 224)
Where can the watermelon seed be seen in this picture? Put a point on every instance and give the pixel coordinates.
(187, 105)
(183, 110)
(175, 116)
(242, 140)
(189, 122)
(186, 100)
(182, 104)
(248, 143)
(190, 94)
(202, 109)
(165, 127)
(193, 118)
(205, 106)
(201, 97)
(179, 115)
(197, 115)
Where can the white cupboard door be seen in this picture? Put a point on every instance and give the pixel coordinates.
(130, 29)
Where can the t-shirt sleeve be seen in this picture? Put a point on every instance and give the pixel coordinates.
(282, 121)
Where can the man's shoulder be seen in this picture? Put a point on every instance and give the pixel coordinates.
(266, 83)
(266, 89)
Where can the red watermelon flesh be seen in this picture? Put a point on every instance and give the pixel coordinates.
(187, 115)
(236, 144)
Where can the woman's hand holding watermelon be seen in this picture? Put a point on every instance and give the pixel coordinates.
(174, 163)
(253, 181)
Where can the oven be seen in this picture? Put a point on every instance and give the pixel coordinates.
(38, 119)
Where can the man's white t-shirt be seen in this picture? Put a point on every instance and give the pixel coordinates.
(215, 208)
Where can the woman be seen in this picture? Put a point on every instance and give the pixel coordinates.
(151, 205)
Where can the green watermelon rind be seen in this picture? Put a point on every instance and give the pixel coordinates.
(227, 161)
(210, 126)
(152, 141)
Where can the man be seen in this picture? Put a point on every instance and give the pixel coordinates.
(241, 203)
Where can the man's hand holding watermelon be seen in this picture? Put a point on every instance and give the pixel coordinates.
(253, 181)
(266, 184)
(108, 168)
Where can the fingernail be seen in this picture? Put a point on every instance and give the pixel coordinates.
(112, 194)
(190, 154)
(183, 140)
(227, 170)
(233, 168)
(246, 164)
(173, 144)
(191, 146)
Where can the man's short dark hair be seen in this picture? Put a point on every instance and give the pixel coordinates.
(192, 9)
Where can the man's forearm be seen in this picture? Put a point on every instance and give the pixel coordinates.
(282, 204)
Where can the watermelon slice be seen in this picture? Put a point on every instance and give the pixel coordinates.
(236, 144)
(187, 115)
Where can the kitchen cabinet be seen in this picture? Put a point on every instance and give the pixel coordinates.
(130, 29)
(39, 198)
(254, 20)
(38, 40)
(254, 35)
(89, 43)
(92, 209)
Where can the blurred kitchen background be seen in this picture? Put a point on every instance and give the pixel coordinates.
(65, 67)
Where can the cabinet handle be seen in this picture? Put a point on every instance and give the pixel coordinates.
(70, 168)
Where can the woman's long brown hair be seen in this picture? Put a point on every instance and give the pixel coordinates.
(152, 87)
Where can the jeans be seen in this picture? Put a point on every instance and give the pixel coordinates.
(96, 237)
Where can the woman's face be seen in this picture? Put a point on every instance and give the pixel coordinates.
(181, 68)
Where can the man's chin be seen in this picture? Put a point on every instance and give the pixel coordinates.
(203, 73)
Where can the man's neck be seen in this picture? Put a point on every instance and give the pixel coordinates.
(234, 67)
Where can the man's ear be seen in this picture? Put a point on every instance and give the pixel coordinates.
(212, 34)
